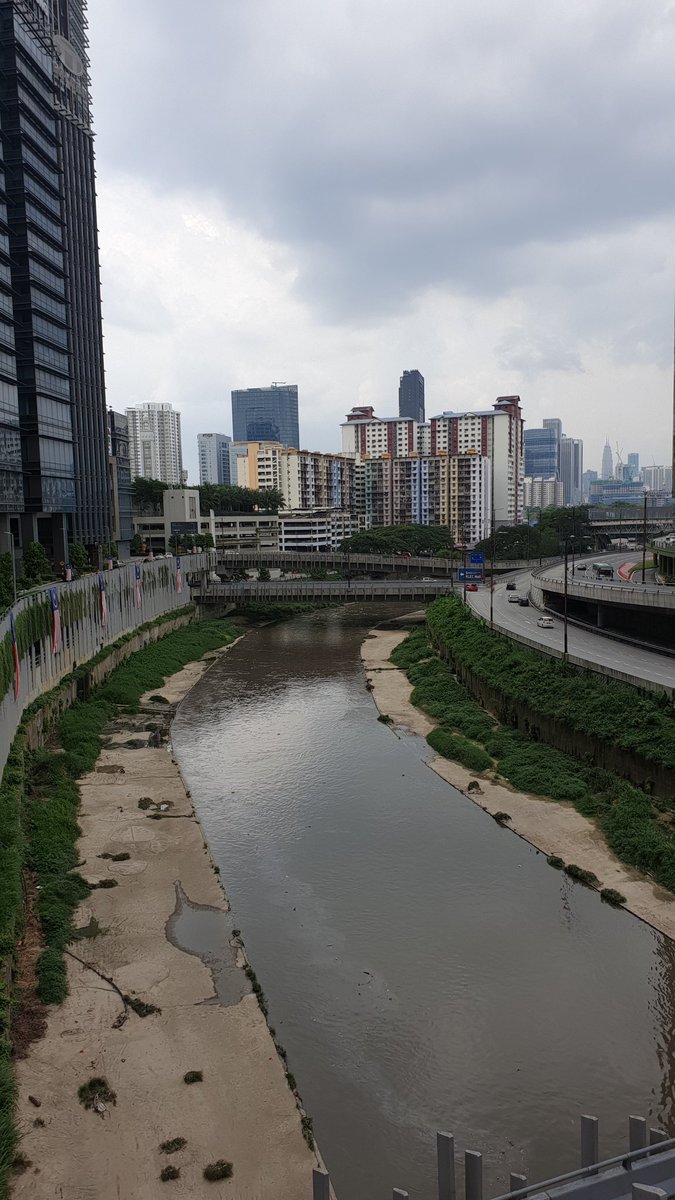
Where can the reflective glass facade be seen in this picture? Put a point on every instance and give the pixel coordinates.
(542, 453)
(55, 310)
(411, 396)
(266, 415)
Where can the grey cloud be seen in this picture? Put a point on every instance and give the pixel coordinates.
(398, 147)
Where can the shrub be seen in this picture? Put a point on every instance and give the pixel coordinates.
(96, 1089)
(460, 750)
(193, 1077)
(554, 861)
(580, 874)
(169, 1172)
(172, 1145)
(218, 1170)
(611, 896)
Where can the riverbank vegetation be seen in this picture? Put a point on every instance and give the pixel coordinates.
(640, 722)
(638, 828)
(39, 801)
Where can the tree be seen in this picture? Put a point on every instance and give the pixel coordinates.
(271, 500)
(204, 541)
(136, 544)
(401, 539)
(36, 568)
(147, 495)
(79, 558)
(6, 581)
(264, 575)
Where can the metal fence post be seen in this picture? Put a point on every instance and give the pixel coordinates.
(589, 1141)
(516, 1181)
(637, 1133)
(399, 1195)
(445, 1154)
(641, 1191)
(656, 1136)
(473, 1175)
(320, 1185)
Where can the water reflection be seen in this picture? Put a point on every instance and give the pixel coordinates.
(424, 967)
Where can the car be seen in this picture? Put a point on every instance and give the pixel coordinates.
(523, 602)
(545, 623)
(472, 587)
(511, 587)
(514, 598)
(581, 566)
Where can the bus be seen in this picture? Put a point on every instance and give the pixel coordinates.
(603, 569)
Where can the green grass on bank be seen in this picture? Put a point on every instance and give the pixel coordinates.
(39, 802)
(640, 722)
(637, 827)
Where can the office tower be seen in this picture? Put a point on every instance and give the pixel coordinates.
(587, 479)
(214, 457)
(572, 469)
(51, 240)
(607, 469)
(633, 466)
(266, 415)
(155, 448)
(542, 450)
(120, 482)
(411, 396)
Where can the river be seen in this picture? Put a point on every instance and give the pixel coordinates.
(425, 968)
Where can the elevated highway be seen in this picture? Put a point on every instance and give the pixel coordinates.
(645, 612)
(339, 591)
(298, 562)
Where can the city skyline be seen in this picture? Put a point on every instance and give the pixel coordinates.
(375, 248)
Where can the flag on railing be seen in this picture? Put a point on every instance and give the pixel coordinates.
(57, 640)
(179, 576)
(137, 585)
(104, 602)
(15, 655)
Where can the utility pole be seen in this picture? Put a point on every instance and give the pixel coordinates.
(644, 535)
(492, 536)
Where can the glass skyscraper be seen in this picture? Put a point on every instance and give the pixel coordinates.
(266, 415)
(54, 275)
(411, 396)
(542, 450)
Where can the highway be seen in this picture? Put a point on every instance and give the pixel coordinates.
(620, 656)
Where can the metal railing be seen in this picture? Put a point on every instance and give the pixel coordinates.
(645, 1172)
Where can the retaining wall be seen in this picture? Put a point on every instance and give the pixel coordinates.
(87, 627)
(517, 714)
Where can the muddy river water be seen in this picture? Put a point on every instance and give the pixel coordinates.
(425, 969)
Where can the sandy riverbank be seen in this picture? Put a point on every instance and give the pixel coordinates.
(552, 827)
(243, 1111)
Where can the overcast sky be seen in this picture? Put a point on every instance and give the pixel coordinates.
(326, 193)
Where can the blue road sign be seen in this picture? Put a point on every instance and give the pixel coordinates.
(467, 575)
(477, 556)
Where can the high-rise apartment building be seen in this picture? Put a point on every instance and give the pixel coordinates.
(607, 469)
(542, 450)
(587, 479)
(364, 433)
(155, 448)
(213, 450)
(52, 317)
(427, 490)
(572, 469)
(266, 415)
(542, 493)
(411, 396)
(497, 434)
(657, 479)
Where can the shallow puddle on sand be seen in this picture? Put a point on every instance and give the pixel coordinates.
(206, 932)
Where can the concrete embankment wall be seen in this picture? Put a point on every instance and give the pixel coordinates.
(88, 624)
(517, 714)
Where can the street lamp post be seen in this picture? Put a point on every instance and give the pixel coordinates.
(10, 535)
(565, 606)
(644, 535)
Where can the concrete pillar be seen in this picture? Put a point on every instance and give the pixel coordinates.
(600, 617)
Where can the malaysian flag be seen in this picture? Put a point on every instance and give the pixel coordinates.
(179, 576)
(137, 585)
(15, 655)
(57, 640)
(104, 602)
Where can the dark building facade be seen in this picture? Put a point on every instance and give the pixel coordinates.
(51, 220)
(266, 415)
(120, 482)
(411, 396)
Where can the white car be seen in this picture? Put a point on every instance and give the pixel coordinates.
(545, 623)
(514, 598)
